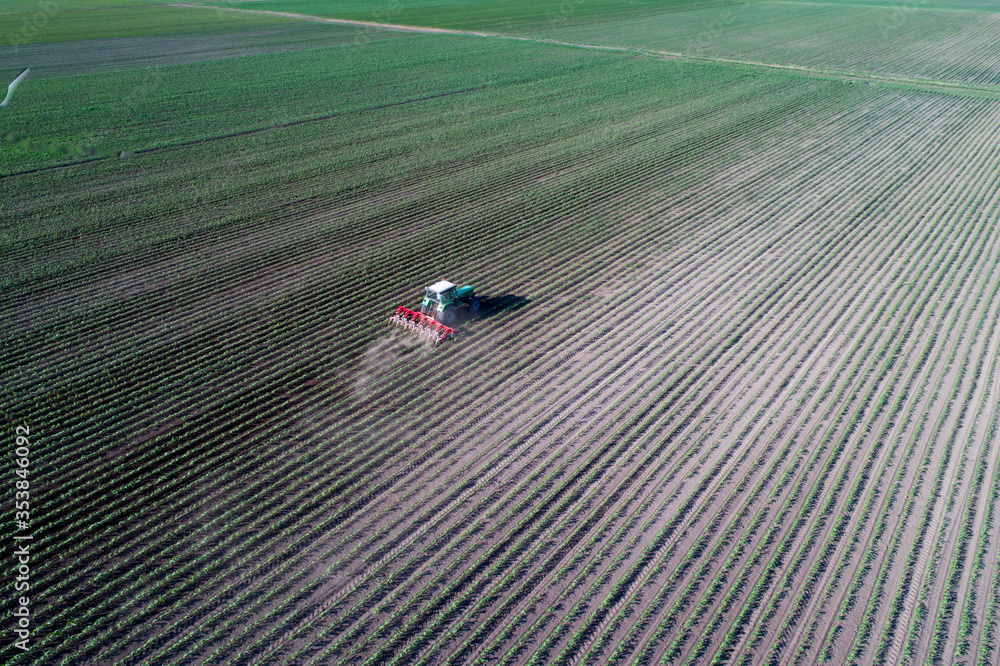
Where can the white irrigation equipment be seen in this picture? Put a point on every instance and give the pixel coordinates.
(13, 86)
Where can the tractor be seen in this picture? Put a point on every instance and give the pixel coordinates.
(438, 311)
(443, 299)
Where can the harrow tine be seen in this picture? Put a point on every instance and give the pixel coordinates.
(422, 324)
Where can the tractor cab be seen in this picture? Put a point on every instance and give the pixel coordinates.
(440, 294)
(442, 300)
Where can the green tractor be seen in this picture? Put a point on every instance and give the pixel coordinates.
(444, 298)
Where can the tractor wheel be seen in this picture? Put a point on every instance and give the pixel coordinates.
(474, 305)
(448, 315)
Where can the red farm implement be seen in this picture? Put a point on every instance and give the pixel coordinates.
(421, 324)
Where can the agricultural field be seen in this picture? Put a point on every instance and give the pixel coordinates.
(732, 397)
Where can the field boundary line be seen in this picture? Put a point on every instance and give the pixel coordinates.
(879, 5)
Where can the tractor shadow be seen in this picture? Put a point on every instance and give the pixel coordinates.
(491, 307)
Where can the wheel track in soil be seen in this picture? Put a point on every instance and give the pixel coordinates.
(934, 581)
(977, 607)
(912, 474)
(896, 435)
(811, 609)
(982, 643)
(932, 514)
(936, 513)
(940, 625)
(849, 549)
(903, 472)
(807, 612)
(876, 424)
(904, 477)
(988, 303)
